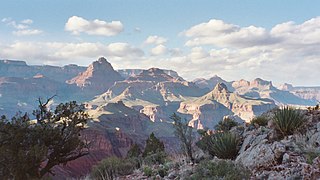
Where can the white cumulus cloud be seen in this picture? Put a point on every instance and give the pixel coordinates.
(156, 40)
(23, 28)
(77, 25)
(159, 50)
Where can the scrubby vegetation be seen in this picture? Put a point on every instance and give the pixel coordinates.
(184, 133)
(220, 169)
(288, 120)
(31, 148)
(226, 124)
(260, 121)
(223, 145)
(153, 146)
(112, 167)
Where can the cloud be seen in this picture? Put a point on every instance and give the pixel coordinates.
(27, 21)
(23, 28)
(58, 53)
(287, 52)
(77, 25)
(221, 34)
(159, 50)
(156, 40)
(27, 32)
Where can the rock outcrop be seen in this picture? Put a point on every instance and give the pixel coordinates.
(212, 82)
(98, 77)
(152, 92)
(20, 69)
(282, 159)
(126, 73)
(209, 109)
(260, 88)
(310, 93)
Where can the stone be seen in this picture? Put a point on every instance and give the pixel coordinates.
(172, 175)
(285, 158)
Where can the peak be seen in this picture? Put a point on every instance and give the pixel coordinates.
(220, 87)
(152, 74)
(286, 87)
(155, 70)
(100, 64)
(102, 60)
(261, 82)
(215, 77)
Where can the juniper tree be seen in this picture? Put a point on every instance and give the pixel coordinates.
(29, 149)
(184, 132)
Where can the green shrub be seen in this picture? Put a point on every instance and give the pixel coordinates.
(311, 155)
(153, 146)
(112, 167)
(288, 120)
(134, 151)
(260, 120)
(157, 158)
(226, 124)
(221, 169)
(223, 145)
(163, 171)
(147, 171)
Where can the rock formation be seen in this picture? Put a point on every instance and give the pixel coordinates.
(209, 109)
(98, 77)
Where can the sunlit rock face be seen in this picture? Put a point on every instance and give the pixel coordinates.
(209, 109)
(310, 93)
(98, 77)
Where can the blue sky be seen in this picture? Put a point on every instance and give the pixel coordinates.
(272, 39)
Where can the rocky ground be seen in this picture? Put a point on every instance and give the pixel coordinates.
(263, 152)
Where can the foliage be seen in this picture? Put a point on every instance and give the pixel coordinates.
(156, 158)
(260, 120)
(112, 167)
(288, 120)
(31, 148)
(307, 145)
(184, 132)
(153, 146)
(226, 124)
(134, 151)
(162, 171)
(147, 171)
(221, 169)
(224, 145)
(315, 108)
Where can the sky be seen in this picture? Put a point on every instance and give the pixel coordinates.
(234, 39)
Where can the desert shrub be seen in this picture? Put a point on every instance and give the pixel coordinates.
(223, 145)
(307, 145)
(222, 169)
(226, 124)
(147, 171)
(184, 133)
(288, 120)
(156, 158)
(112, 167)
(134, 151)
(153, 146)
(162, 171)
(29, 149)
(260, 120)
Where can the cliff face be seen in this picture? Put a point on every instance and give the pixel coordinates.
(209, 109)
(152, 92)
(259, 88)
(98, 77)
(310, 93)
(21, 94)
(10, 68)
(126, 73)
